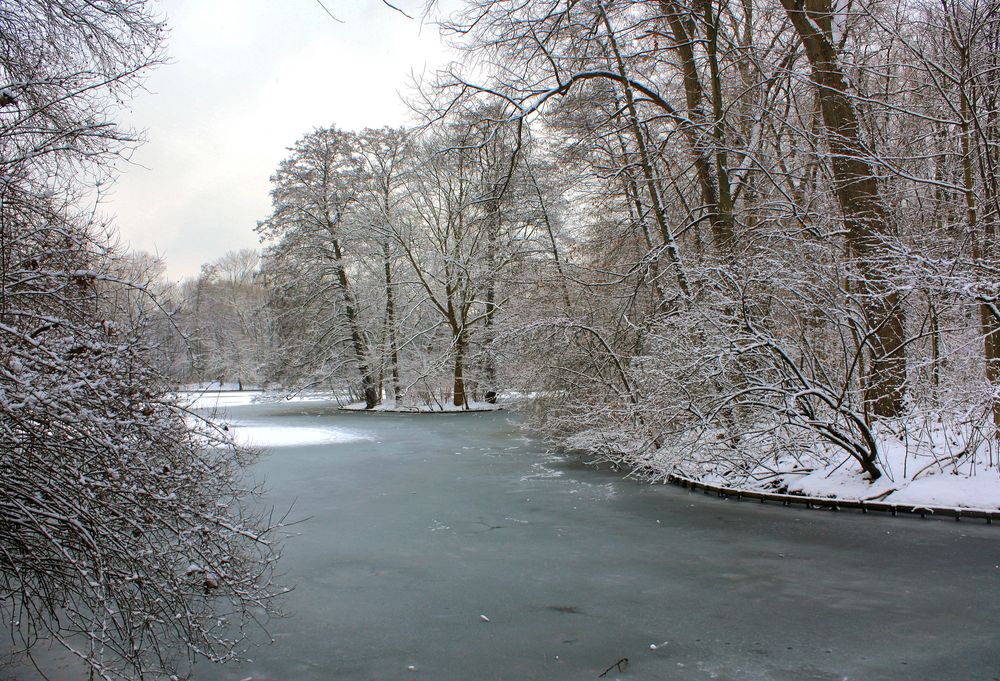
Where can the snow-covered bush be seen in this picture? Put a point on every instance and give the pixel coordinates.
(109, 495)
(127, 535)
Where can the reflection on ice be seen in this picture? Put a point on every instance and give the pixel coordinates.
(262, 435)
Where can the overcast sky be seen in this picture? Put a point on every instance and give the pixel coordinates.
(248, 78)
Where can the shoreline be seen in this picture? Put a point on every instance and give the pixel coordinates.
(833, 503)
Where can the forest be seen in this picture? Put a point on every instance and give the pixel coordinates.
(731, 240)
(726, 239)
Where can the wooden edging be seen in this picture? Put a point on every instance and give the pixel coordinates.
(835, 504)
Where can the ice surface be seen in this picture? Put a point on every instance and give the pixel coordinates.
(267, 435)
(740, 590)
(405, 543)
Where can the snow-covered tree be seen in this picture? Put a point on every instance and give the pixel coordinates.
(313, 191)
(841, 158)
(126, 535)
(224, 318)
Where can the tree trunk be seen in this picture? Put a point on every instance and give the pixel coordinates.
(645, 163)
(720, 217)
(369, 385)
(552, 237)
(935, 332)
(458, 390)
(390, 322)
(489, 366)
(865, 217)
(490, 370)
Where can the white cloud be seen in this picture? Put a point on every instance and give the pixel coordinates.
(248, 78)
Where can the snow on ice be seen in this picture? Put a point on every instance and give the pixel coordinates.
(262, 435)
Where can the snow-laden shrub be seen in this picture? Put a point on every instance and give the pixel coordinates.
(109, 493)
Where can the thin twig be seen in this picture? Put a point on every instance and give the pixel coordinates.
(392, 6)
(328, 12)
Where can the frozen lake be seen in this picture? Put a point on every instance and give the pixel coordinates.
(418, 525)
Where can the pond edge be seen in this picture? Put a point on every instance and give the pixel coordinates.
(834, 504)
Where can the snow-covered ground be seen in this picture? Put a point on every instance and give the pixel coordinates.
(223, 395)
(937, 486)
(981, 491)
(215, 386)
(261, 433)
(920, 466)
(213, 399)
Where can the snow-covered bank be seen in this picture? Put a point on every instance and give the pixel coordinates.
(837, 504)
(217, 386)
(221, 396)
(262, 434)
(938, 487)
(920, 466)
(444, 407)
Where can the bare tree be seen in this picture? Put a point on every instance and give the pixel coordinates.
(867, 221)
(126, 536)
(800, 134)
(386, 156)
(314, 189)
(224, 318)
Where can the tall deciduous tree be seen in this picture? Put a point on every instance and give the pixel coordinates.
(868, 223)
(386, 156)
(314, 188)
(811, 137)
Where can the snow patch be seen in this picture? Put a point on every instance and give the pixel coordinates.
(216, 386)
(263, 435)
(539, 471)
(920, 468)
(218, 399)
(981, 491)
(842, 482)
